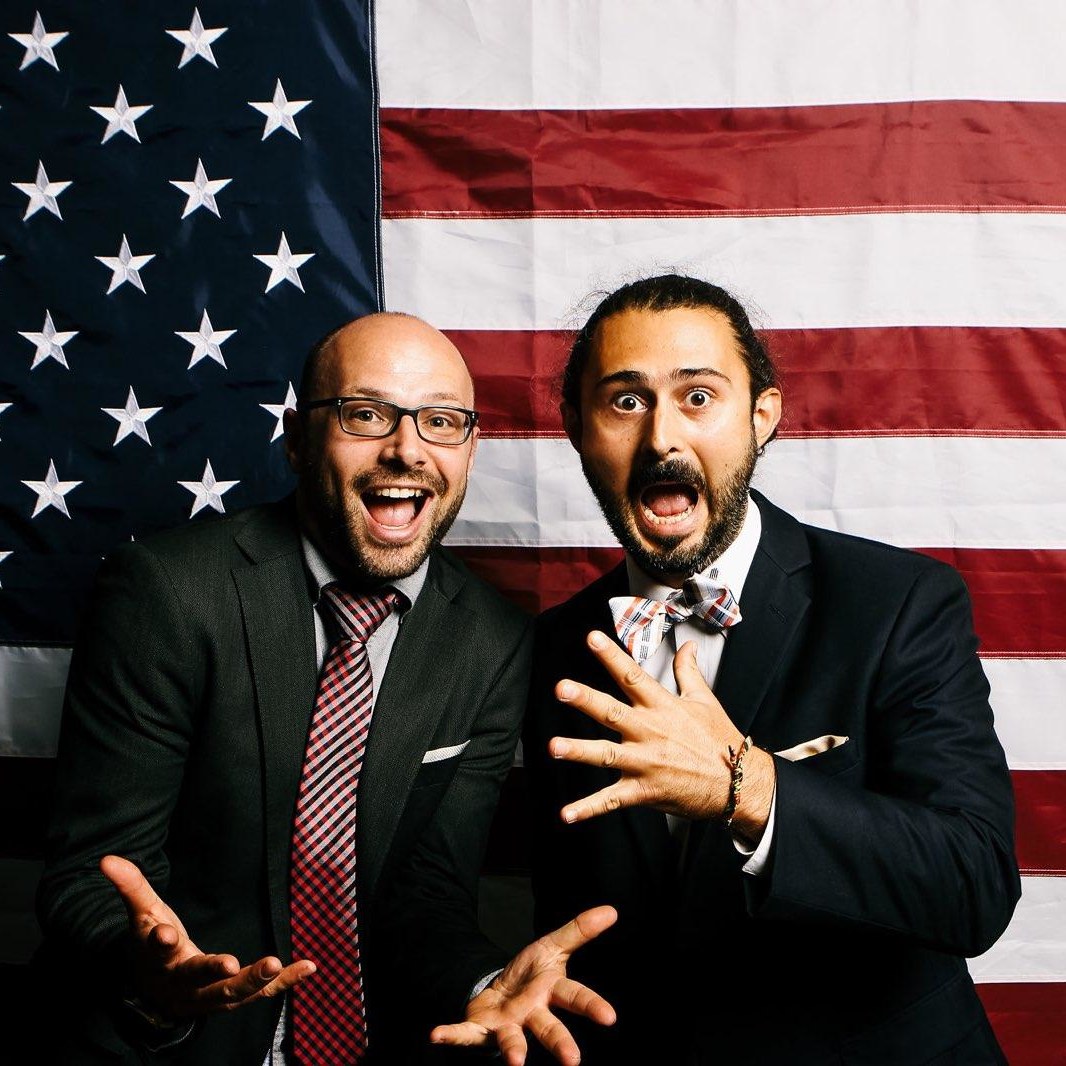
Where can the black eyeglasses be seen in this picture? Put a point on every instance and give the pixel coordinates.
(362, 416)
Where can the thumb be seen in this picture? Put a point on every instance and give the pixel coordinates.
(690, 682)
(132, 886)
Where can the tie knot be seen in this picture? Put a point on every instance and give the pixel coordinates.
(360, 614)
(642, 624)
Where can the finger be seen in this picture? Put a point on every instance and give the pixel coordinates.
(460, 1034)
(206, 969)
(599, 706)
(580, 930)
(553, 1035)
(580, 999)
(628, 792)
(512, 1044)
(690, 682)
(132, 885)
(261, 979)
(603, 753)
(635, 682)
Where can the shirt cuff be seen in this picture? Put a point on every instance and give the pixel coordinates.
(483, 984)
(758, 857)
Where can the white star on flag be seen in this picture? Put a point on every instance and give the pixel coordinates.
(206, 341)
(51, 491)
(197, 40)
(3, 408)
(125, 267)
(279, 112)
(3, 556)
(39, 43)
(131, 419)
(201, 191)
(284, 265)
(122, 117)
(49, 342)
(277, 410)
(208, 491)
(42, 193)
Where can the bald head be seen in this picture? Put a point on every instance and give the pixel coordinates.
(412, 345)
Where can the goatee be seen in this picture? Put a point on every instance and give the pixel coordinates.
(670, 558)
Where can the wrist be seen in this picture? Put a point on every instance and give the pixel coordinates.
(752, 796)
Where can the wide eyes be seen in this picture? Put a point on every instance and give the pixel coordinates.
(631, 403)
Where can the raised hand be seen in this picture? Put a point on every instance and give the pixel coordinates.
(172, 976)
(673, 751)
(522, 997)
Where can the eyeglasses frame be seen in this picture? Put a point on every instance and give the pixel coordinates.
(339, 401)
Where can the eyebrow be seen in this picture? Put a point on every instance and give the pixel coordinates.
(432, 397)
(638, 377)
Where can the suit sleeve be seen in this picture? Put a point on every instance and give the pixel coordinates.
(915, 837)
(427, 919)
(126, 728)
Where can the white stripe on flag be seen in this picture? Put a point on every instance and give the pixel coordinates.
(1027, 702)
(969, 492)
(718, 53)
(1034, 946)
(813, 271)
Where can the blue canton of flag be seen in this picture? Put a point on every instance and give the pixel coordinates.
(189, 200)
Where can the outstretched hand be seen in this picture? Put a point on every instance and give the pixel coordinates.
(673, 751)
(522, 997)
(171, 975)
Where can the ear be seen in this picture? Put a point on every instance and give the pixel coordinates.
(474, 434)
(766, 415)
(571, 423)
(294, 438)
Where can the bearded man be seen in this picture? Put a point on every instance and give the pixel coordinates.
(283, 739)
(767, 745)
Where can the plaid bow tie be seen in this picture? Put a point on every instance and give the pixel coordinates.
(643, 624)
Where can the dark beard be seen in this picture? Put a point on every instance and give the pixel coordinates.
(727, 505)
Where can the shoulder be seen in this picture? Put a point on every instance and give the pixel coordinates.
(473, 593)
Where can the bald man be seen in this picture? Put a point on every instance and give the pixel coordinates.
(207, 811)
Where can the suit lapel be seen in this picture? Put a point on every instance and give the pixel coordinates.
(281, 648)
(773, 605)
(411, 702)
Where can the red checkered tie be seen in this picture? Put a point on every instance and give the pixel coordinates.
(328, 1022)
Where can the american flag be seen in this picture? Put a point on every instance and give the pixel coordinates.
(882, 183)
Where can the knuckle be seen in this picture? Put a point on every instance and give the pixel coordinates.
(616, 712)
(609, 754)
(632, 675)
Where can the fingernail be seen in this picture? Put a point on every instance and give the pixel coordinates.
(567, 690)
(560, 748)
(597, 639)
(569, 816)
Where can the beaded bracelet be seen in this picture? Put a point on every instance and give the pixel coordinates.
(736, 779)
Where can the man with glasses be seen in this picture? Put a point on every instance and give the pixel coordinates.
(237, 685)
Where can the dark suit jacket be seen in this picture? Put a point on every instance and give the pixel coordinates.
(188, 706)
(892, 855)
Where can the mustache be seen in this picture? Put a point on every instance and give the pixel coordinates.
(371, 479)
(674, 471)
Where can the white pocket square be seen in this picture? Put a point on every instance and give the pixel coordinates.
(812, 747)
(438, 754)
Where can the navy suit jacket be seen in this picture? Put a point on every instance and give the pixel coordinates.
(187, 712)
(892, 854)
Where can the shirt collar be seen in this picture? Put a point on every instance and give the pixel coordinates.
(320, 574)
(731, 566)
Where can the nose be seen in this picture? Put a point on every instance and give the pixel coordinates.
(403, 445)
(663, 429)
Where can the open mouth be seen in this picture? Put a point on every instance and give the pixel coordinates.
(395, 507)
(668, 504)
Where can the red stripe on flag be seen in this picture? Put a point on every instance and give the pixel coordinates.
(1017, 593)
(1040, 820)
(1029, 1021)
(876, 381)
(918, 155)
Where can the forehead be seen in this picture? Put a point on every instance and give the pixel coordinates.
(398, 359)
(656, 343)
